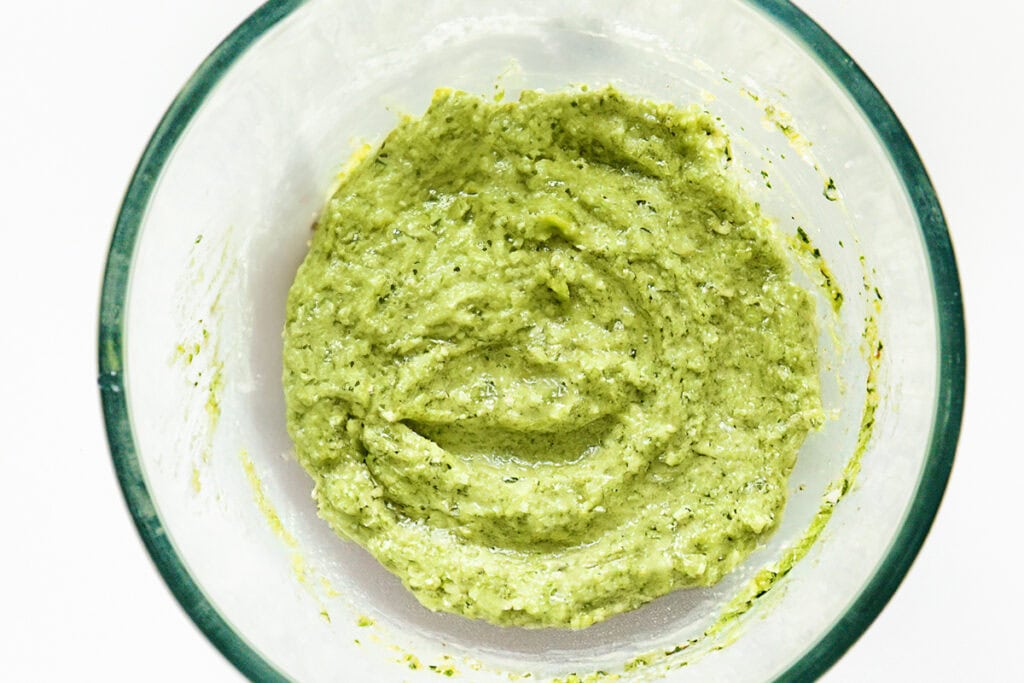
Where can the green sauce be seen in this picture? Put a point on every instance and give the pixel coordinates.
(544, 359)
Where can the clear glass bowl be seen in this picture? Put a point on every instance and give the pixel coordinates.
(217, 219)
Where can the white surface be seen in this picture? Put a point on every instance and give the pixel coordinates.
(81, 88)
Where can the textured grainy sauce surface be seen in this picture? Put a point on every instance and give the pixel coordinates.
(545, 360)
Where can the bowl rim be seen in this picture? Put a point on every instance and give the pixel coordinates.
(948, 409)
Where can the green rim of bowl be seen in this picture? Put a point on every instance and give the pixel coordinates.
(952, 349)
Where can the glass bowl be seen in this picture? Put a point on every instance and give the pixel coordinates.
(217, 218)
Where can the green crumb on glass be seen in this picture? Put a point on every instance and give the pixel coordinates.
(443, 669)
(213, 399)
(831, 192)
(265, 506)
(364, 621)
(801, 243)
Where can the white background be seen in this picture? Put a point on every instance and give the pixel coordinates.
(83, 84)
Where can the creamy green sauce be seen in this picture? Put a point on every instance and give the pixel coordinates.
(544, 359)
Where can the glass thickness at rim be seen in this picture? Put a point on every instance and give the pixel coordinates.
(948, 407)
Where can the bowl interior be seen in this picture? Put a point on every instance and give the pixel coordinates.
(227, 223)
